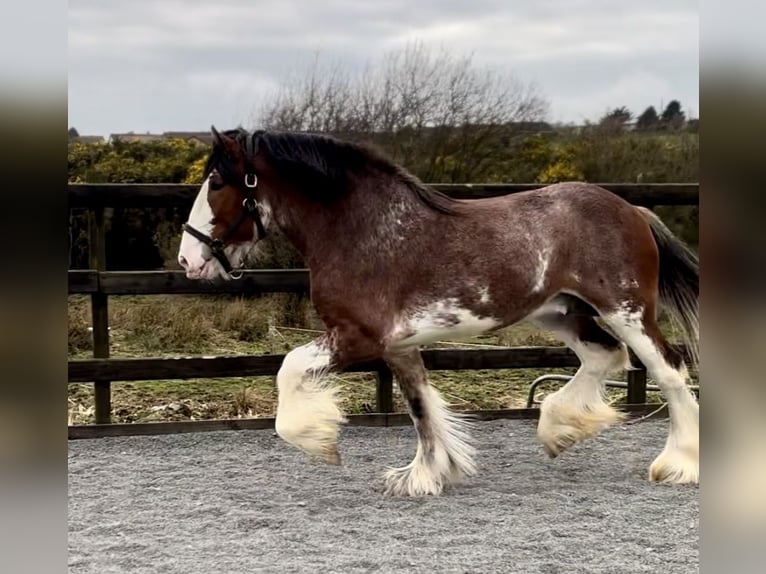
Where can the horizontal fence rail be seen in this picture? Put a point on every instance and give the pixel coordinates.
(261, 423)
(168, 282)
(100, 284)
(91, 195)
(132, 369)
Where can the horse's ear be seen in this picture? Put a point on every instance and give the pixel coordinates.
(228, 143)
(217, 140)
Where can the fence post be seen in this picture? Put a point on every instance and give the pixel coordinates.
(99, 314)
(636, 386)
(384, 391)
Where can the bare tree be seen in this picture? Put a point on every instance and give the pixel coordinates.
(317, 101)
(439, 114)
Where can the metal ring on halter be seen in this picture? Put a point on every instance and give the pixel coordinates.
(233, 276)
(255, 180)
(249, 203)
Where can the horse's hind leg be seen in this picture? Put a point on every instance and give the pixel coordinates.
(444, 453)
(679, 460)
(577, 411)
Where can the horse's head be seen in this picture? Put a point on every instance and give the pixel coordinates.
(228, 217)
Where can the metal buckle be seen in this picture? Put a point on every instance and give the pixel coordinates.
(249, 203)
(255, 180)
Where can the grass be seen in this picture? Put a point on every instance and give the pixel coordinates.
(172, 325)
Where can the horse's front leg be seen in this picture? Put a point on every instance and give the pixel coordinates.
(445, 452)
(308, 411)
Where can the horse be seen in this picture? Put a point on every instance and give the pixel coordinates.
(395, 264)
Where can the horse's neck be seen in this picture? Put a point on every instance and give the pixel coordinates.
(371, 228)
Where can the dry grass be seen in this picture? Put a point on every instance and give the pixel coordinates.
(169, 325)
(79, 326)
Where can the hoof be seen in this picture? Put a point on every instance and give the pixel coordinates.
(331, 455)
(327, 455)
(319, 440)
(677, 466)
(563, 438)
(559, 429)
(412, 480)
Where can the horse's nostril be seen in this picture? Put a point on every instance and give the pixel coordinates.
(182, 260)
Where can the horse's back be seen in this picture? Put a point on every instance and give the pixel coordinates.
(554, 196)
(567, 210)
(551, 238)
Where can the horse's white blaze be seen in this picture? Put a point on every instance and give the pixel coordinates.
(452, 456)
(192, 250)
(441, 319)
(679, 460)
(578, 410)
(308, 412)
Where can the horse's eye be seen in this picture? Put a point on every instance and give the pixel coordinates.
(216, 182)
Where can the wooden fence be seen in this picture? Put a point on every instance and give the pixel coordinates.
(99, 284)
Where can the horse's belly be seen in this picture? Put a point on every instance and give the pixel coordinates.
(438, 321)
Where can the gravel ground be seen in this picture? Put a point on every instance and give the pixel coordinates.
(226, 502)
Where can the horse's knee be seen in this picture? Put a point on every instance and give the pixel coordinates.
(301, 362)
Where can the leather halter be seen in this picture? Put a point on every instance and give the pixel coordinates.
(250, 210)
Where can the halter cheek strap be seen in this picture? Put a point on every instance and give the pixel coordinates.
(251, 147)
(216, 246)
(252, 208)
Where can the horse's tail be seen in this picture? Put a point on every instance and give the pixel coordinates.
(678, 282)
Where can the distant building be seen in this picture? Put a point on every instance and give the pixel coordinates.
(74, 136)
(88, 139)
(134, 137)
(200, 138)
(204, 138)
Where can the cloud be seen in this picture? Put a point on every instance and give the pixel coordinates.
(153, 66)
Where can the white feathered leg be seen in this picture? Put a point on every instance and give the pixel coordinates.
(308, 412)
(444, 453)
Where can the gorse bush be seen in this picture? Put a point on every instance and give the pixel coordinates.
(637, 156)
(165, 161)
(136, 238)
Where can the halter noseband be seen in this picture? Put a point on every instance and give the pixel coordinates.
(251, 209)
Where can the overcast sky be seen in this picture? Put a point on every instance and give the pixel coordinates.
(159, 65)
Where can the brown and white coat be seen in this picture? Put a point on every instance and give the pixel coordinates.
(396, 265)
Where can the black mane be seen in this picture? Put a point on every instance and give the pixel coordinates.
(323, 166)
